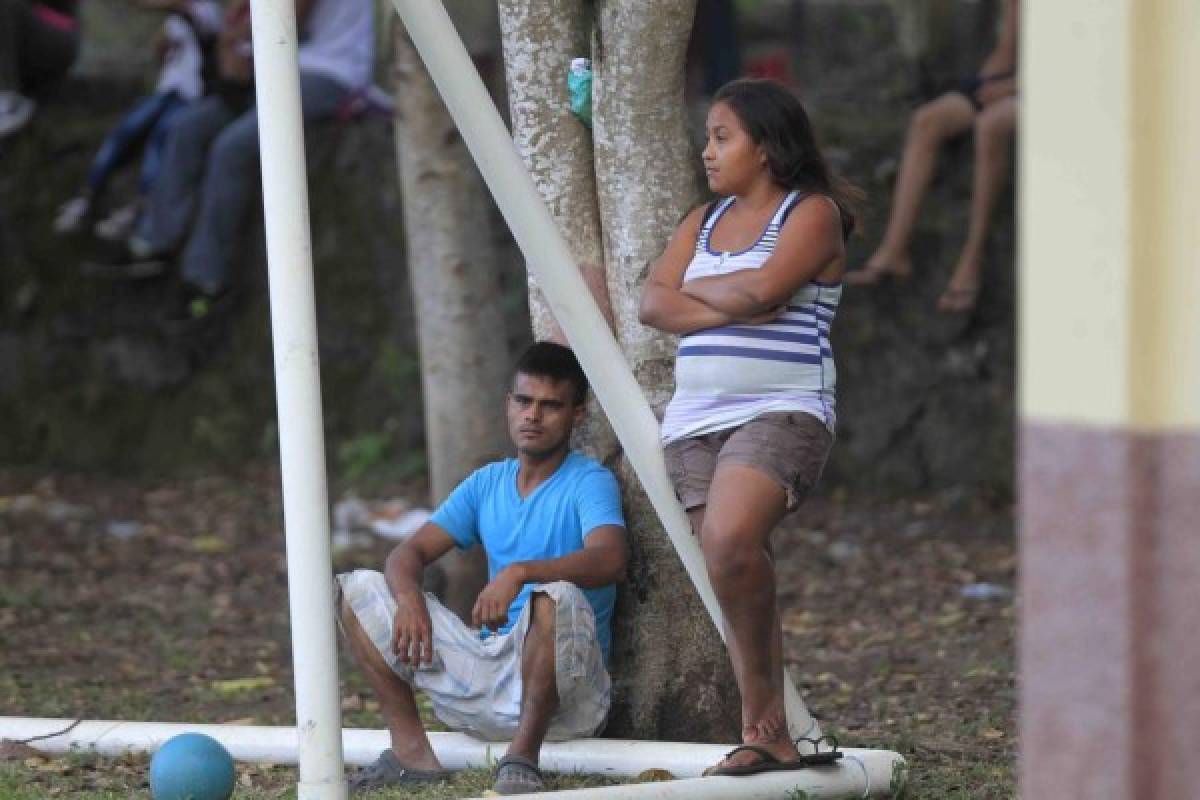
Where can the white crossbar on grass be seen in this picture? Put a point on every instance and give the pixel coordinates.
(862, 773)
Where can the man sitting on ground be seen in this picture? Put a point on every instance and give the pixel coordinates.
(550, 522)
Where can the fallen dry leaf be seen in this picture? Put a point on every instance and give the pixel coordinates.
(12, 750)
(235, 685)
(209, 544)
(655, 774)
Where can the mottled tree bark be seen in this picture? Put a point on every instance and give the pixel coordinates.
(922, 25)
(540, 38)
(671, 673)
(464, 358)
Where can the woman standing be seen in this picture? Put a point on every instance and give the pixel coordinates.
(752, 283)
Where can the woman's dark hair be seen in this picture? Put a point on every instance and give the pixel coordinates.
(774, 118)
(558, 363)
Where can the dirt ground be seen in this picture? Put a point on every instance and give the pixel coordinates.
(167, 600)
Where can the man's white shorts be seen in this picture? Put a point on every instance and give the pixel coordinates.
(474, 684)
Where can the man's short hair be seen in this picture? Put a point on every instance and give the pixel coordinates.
(553, 361)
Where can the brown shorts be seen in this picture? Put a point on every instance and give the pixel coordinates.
(788, 446)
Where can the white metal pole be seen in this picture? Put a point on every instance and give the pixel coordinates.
(549, 257)
(298, 396)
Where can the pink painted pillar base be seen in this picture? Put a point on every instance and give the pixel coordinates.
(1110, 608)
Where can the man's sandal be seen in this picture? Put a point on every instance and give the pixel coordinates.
(517, 775)
(388, 771)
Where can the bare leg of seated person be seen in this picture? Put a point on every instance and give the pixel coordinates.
(744, 506)
(994, 127)
(410, 748)
(517, 772)
(932, 125)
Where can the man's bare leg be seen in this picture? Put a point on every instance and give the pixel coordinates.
(539, 685)
(932, 124)
(409, 740)
(744, 506)
(993, 138)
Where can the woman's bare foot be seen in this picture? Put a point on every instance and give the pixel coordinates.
(879, 267)
(962, 290)
(771, 735)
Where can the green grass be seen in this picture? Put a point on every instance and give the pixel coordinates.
(95, 778)
(163, 629)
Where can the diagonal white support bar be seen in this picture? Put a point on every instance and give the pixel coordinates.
(549, 257)
(298, 396)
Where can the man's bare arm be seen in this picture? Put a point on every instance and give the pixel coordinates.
(412, 630)
(601, 562)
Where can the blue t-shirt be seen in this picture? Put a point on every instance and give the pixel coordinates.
(551, 522)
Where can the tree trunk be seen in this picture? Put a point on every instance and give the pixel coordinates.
(460, 331)
(926, 33)
(671, 674)
(668, 656)
(540, 38)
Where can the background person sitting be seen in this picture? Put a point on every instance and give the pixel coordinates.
(38, 44)
(210, 165)
(986, 102)
(186, 35)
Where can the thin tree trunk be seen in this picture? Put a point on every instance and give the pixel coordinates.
(672, 677)
(646, 172)
(460, 331)
(540, 38)
(925, 29)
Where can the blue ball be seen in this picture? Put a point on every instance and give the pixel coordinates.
(191, 766)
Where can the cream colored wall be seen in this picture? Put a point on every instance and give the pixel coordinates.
(1166, 241)
(1109, 209)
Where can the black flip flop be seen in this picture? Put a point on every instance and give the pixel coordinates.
(819, 757)
(768, 762)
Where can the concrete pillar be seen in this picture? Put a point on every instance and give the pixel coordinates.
(1109, 398)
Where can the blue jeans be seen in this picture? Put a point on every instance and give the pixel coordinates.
(147, 123)
(210, 168)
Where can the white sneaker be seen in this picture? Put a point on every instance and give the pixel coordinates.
(71, 215)
(119, 225)
(15, 112)
(139, 248)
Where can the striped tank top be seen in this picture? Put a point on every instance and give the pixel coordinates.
(728, 375)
